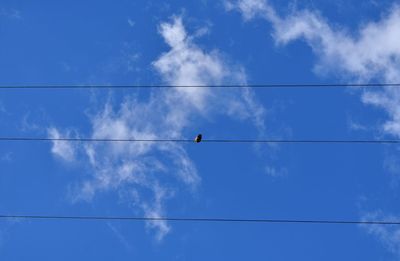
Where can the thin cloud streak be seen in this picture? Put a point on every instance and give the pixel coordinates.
(389, 236)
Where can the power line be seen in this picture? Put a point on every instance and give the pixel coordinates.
(4, 139)
(219, 220)
(258, 86)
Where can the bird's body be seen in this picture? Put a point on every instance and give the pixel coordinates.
(198, 138)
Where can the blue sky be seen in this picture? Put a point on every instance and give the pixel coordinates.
(199, 42)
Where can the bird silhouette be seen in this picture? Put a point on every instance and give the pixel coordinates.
(198, 138)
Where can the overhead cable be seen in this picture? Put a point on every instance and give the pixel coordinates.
(299, 141)
(145, 86)
(221, 220)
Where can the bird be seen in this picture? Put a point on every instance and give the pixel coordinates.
(198, 138)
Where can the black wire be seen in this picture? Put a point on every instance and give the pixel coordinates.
(203, 141)
(230, 220)
(261, 86)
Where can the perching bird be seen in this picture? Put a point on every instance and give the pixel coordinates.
(198, 138)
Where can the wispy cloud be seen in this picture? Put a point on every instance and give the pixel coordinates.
(6, 226)
(389, 236)
(253, 8)
(370, 53)
(148, 174)
(119, 235)
(6, 157)
(131, 23)
(62, 149)
(10, 13)
(187, 64)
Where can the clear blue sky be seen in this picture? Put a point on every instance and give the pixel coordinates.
(199, 42)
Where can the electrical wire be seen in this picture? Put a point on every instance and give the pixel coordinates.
(4, 139)
(220, 220)
(258, 86)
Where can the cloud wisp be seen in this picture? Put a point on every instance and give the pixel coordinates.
(389, 236)
(10, 13)
(62, 149)
(147, 174)
(371, 53)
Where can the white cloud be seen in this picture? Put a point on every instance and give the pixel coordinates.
(275, 172)
(388, 99)
(371, 53)
(131, 23)
(356, 126)
(252, 8)
(148, 174)
(119, 235)
(62, 149)
(7, 157)
(187, 64)
(10, 13)
(28, 124)
(7, 226)
(389, 236)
